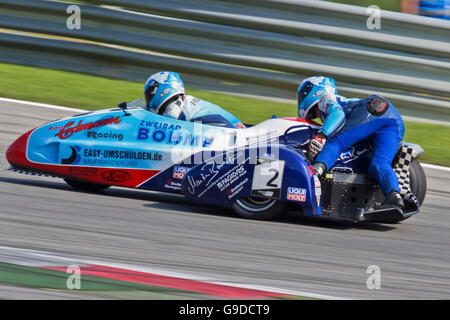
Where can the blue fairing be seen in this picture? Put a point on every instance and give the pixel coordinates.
(111, 138)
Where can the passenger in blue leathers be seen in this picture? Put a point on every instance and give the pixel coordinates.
(165, 95)
(347, 121)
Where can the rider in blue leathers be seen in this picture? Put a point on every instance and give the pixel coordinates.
(165, 95)
(347, 121)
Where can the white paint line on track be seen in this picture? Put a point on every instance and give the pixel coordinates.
(433, 166)
(43, 105)
(35, 258)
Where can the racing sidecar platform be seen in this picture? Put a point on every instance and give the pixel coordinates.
(357, 197)
(258, 172)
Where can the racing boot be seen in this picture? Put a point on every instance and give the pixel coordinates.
(319, 168)
(411, 202)
(394, 198)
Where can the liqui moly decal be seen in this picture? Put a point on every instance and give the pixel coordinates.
(179, 172)
(69, 129)
(296, 194)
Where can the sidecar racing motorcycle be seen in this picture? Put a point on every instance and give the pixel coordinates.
(258, 171)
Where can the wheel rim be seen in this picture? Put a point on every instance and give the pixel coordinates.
(255, 204)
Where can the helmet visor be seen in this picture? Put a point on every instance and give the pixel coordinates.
(150, 92)
(312, 112)
(303, 92)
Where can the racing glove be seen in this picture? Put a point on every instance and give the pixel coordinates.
(316, 145)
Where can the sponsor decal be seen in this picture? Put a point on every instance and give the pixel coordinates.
(56, 128)
(74, 157)
(105, 135)
(194, 100)
(317, 183)
(82, 172)
(207, 178)
(159, 125)
(353, 154)
(311, 171)
(318, 93)
(263, 136)
(179, 172)
(296, 194)
(110, 163)
(318, 193)
(229, 179)
(329, 176)
(116, 176)
(232, 192)
(208, 172)
(174, 137)
(122, 154)
(69, 129)
(317, 189)
(165, 91)
(170, 184)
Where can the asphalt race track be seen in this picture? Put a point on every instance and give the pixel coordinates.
(164, 231)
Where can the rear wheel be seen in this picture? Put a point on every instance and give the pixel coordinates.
(418, 180)
(258, 208)
(418, 184)
(85, 185)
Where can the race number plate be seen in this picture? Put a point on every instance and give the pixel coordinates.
(267, 178)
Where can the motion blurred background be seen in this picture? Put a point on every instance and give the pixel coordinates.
(248, 57)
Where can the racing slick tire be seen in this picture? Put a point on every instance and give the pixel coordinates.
(418, 180)
(85, 185)
(258, 208)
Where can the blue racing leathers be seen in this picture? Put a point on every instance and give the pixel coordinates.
(195, 109)
(348, 121)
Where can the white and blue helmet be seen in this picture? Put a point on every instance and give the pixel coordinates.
(161, 88)
(311, 90)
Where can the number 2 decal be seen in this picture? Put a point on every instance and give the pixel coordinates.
(275, 176)
(267, 178)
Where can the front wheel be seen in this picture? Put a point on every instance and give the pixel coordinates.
(258, 208)
(85, 185)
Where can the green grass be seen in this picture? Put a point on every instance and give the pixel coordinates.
(91, 92)
(435, 140)
(64, 88)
